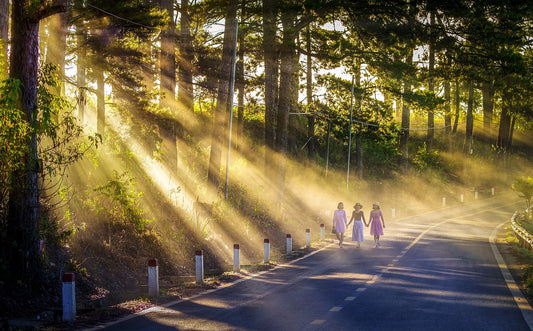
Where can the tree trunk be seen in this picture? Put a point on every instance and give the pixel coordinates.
(57, 44)
(81, 70)
(467, 146)
(488, 107)
(294, 123)
(431, 87)
(448, 113)
(217, 132)
(22, 248)
(167, 66)
(511, 131)
(505, 122)
(359, 132)
(457, 103)
(271, 81)
(4, 36)
(239, 79)
(287, 72)
(406, 123)
(100, 101)
(185, 71)
(311, 146)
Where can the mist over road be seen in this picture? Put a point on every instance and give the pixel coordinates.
(433, 271)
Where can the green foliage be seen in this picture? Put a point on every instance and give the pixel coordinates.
(119, 203)
(524, 187)
(13, 135)
(3, 59)
(61, 141)
(426, 159)
(380, 157)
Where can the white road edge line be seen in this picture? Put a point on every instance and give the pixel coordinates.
(521, 302)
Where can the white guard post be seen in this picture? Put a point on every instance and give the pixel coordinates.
(153, 277)
(199, 266)
(322, 232)
(266, 258)
(308, 237)
(236, 258)
(289, 244)
(69, 297)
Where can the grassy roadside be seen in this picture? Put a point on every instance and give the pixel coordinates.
(520, 261)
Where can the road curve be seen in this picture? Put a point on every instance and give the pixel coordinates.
(435, 271)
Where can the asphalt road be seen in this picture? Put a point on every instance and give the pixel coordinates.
(434, 271)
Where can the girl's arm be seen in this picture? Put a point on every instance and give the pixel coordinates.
(382, 219)
(351, 219)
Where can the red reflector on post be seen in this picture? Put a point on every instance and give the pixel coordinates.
(68, 277)
(153, 263)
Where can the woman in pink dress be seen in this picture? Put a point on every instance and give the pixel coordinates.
(375, 221)
(340, 222)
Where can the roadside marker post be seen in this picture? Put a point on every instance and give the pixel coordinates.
(462, 198)
(236, 258)
(475, 195)
(199, 266)
(266, 258)
(444, 202)
(322, 232)
(308, 237)
(289, 244)
(393, 213)
(153, 278)
(69, 297)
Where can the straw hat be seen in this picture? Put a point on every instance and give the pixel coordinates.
(376, 203)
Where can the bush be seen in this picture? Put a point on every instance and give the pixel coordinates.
(426, 159)
(524, 187)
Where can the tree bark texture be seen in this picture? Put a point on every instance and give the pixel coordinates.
(467, 146)
(81, 74)
(457, 103)
(185, 71)
(271, 79)
(239, 78)
(100, 101)
(505, 122)
(406, 123)
(488, 106)
(311, 144)
(217, 132)
(22, 244)
(431, 85)
(288, 71)
(4, 35)
(167, 63)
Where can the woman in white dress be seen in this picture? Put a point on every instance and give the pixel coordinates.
(358, 219)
